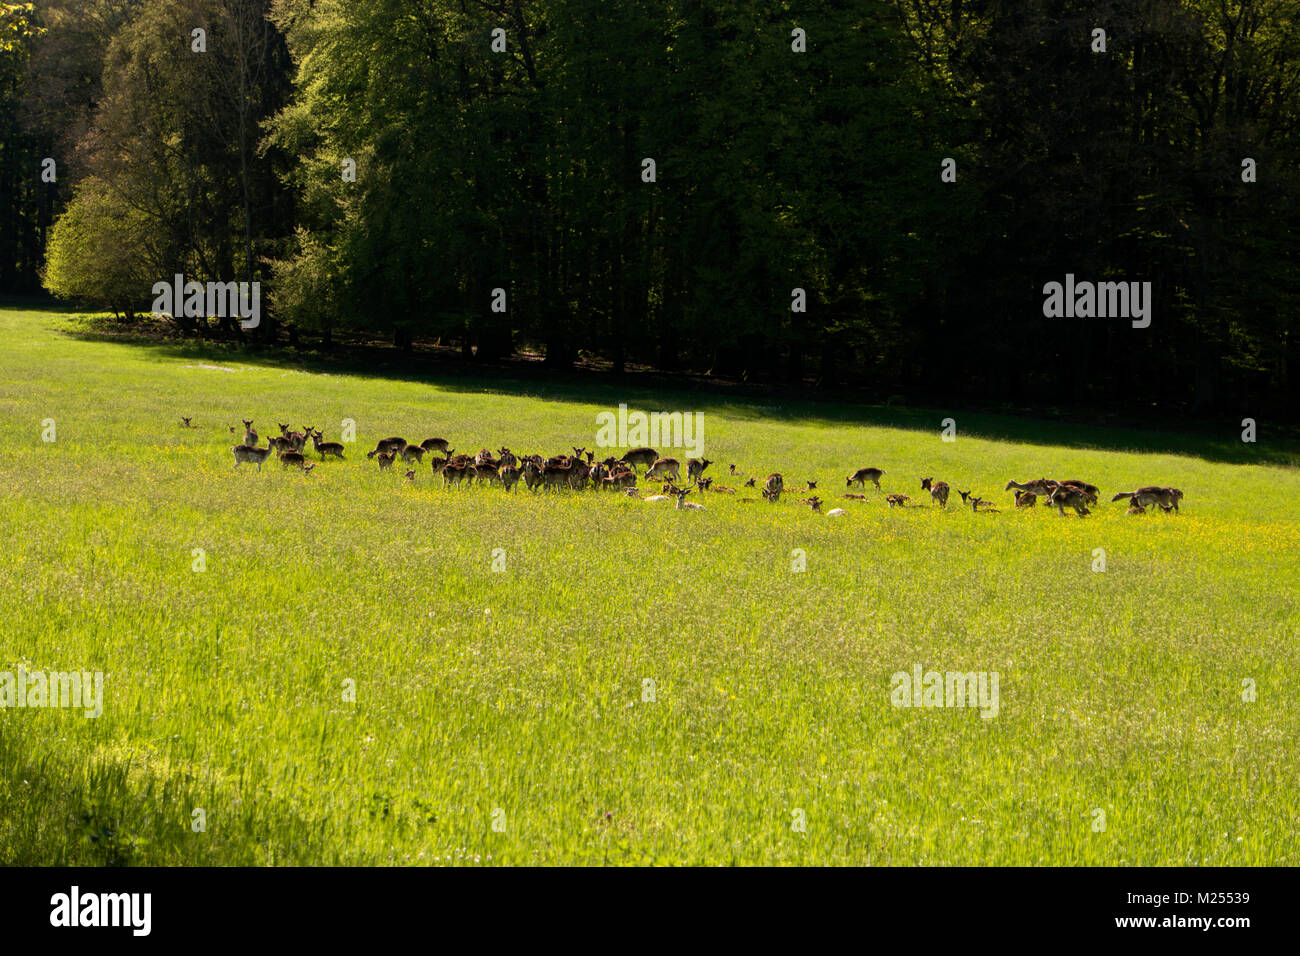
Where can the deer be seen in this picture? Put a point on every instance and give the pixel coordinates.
(684, 505)
(487, 472)
(385, 460)
(532, 474)
(250, 436)
(812, 486)
(252, 454)
(394, 444)
(439, 444)
(292, 459)
(1066, 496)
(413, 453)
(773, 487)
(410, 474)
(453, 472)
(324, 448)
(695, 467)
(862, 476)
(816, 504)
(854, 497)
(1026, 499)
(1135, 508)
(665, 468)
(733, 468)
(1088, 491)
(507, 457)
(297, 440)
(307, 466)
(897, 501)
(640, 456)
(509, 475)
(750, 484)
(938, 491)
(185, 423)
(1148, 495)
(976, 503)
(1039, 486)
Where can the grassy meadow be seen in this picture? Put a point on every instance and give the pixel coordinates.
(499, 716)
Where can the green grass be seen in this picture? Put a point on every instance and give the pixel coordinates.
(521, 691)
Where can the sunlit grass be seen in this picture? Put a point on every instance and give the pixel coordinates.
(522, 691)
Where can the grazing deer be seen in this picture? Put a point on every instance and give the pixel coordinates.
(251, 453)
(1066, 496)
(1135, 508)
(387, 445)
(1039, 486)
(413, 453)
(862, 476)
(185, 423)
(938, 491)
(896, 501)
(1026, 499)
(665, 468)
(1149, 495)
(324, 448)
(292, 458)
(438, 444)
(773, 487)
(640, 456)
(250, 436)
(684, 505)
(1090, 492)
(385, 460)
(695, 467)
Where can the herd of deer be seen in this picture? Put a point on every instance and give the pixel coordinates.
(581, 470)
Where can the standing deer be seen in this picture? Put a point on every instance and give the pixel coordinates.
(938, 490)
(251, 453)
(324, 448)
(862, 476)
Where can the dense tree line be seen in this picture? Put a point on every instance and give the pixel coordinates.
(385, 166)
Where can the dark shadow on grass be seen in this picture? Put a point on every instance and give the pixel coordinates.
(1110, 429)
